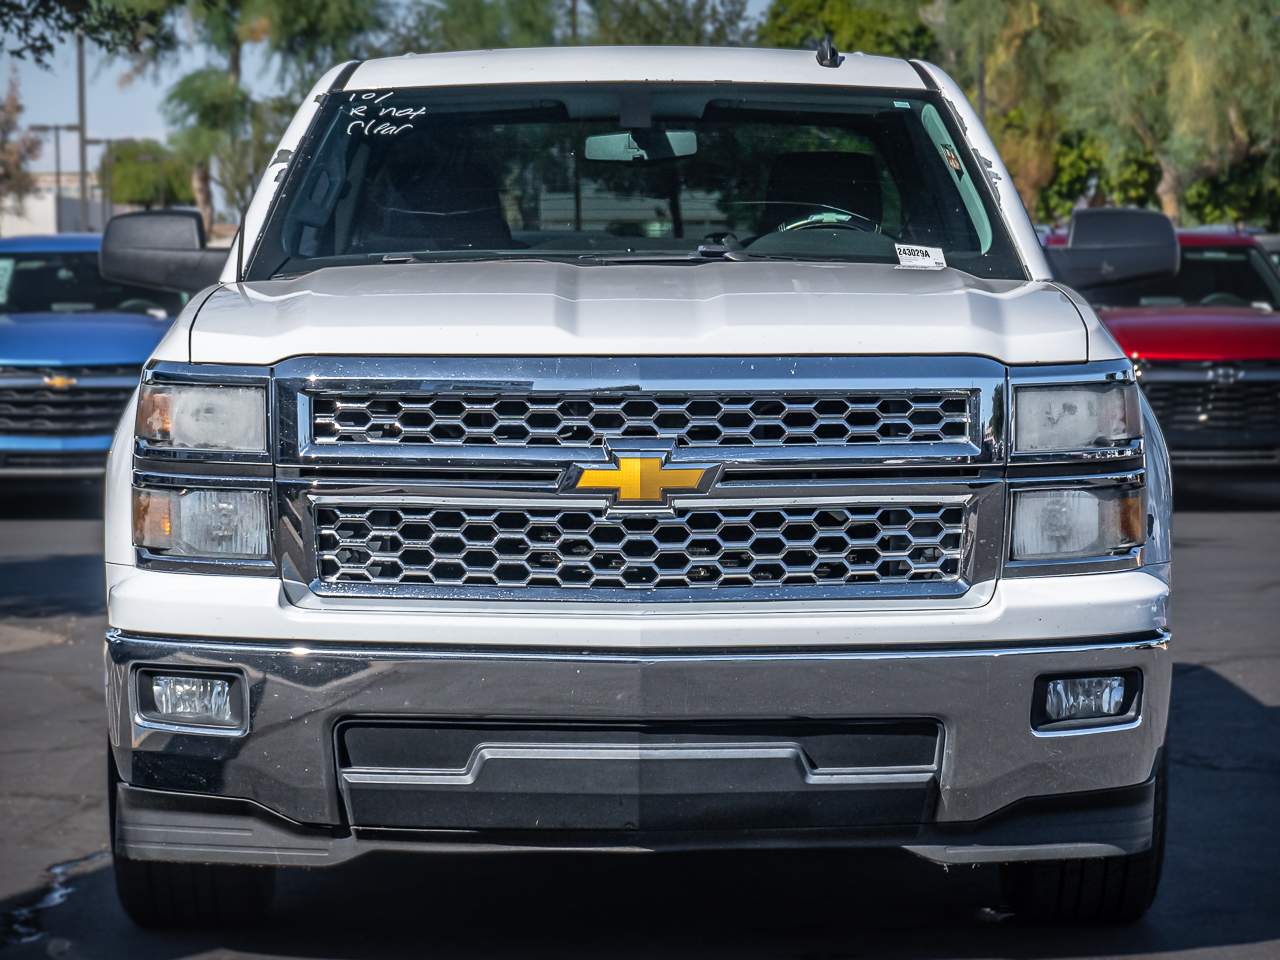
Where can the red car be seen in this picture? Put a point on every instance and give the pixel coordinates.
(1208, 340)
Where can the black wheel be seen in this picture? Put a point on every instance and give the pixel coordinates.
(156, 894)
(1101, 890)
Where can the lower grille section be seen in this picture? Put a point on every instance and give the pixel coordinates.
(624, 776)
(688, 549)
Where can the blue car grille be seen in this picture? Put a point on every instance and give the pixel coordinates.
(63, 401)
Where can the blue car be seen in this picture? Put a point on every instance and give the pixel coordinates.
(71, 348)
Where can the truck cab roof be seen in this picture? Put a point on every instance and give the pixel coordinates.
(630, 64)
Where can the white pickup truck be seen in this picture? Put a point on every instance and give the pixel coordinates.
(635, 448)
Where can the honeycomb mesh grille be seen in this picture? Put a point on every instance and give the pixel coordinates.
(688, 419)
(588, 549)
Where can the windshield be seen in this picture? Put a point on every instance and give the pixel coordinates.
(70, 283)
(607, 173)
(1232, 276)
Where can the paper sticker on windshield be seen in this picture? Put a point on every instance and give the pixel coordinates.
(920, 258)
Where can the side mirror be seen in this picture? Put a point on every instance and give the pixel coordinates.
(1107, 246)
(163, 249)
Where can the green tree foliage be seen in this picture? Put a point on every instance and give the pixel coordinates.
(1248, 193)
(478, 25)
(1196, 85)
(222, 132)
(32, 28)
(146, 173)
(308, 37)
(888, 29)
(18, 148)
(683, 22)
(1083, 172)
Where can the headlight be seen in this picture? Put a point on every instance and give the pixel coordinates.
(1075, 417)
(203, 418)
(211, 523)
(1056, 524)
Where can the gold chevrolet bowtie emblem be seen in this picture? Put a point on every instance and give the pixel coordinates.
(643, 480)
(59, 382)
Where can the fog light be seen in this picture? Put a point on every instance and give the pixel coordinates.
(203, 700)
(1083, 698)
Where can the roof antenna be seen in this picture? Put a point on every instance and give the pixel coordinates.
(244, 212)
(828, 55)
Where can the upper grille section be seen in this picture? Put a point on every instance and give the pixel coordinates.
(688, 419)
(1236, 400)
(690, 549)
(90, 405)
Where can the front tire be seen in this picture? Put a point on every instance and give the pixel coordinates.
(1100, 890)
(160, 894)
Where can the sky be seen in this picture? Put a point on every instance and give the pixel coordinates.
(113, 108)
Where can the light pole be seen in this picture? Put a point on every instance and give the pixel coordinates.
(56, 129)
(104, 177)
(84, 176)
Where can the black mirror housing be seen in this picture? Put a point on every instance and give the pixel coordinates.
(1107, 246)
(162, 249)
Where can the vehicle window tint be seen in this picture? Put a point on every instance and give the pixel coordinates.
(590, 171)
(942, 142)
(70, 283)
(1207, 276)
(1228, 277)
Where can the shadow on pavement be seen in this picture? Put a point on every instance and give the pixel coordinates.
(50, 500)
(59, 575)
(1220, 888)
(1226, 491)
(52, 586)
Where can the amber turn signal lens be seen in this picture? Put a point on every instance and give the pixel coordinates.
(152, 517)
(154, 419)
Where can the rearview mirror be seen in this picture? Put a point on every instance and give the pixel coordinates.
(1106, 246)
(632, 145)
(162, 249)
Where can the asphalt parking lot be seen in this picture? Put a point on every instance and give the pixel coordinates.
(1220, 897)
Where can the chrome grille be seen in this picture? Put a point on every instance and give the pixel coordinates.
(1235, 401)
(687, 419)
(689, 549)
(91, 405)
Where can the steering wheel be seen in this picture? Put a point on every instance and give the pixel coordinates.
(838, 219)
(138, 305)
(1221, 299)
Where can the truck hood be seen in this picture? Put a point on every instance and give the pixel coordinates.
(78, 339)
(1195, 333)
(723, 308)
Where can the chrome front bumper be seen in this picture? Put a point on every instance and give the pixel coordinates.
(288, 764)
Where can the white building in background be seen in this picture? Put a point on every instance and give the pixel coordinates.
(55, 205)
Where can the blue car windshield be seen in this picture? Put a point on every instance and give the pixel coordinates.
(70, 283)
